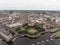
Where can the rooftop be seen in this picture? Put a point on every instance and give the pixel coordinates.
(13, 24)
(2, 42)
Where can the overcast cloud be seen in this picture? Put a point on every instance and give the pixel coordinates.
(30, 4)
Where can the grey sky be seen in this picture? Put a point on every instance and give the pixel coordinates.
(30, 4)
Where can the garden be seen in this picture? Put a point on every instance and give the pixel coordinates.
(30, 30)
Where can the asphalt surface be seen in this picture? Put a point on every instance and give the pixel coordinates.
(53, 42)
(43, 40)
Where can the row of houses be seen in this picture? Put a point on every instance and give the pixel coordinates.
(15, 20)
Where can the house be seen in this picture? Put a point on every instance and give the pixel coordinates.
(13, 26)
(6, 35)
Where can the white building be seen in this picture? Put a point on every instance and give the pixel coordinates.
(13, 26)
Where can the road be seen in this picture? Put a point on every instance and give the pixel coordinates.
(41, 40)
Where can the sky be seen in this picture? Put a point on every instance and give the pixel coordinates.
(30, 4)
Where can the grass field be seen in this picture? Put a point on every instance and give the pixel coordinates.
(58, 34)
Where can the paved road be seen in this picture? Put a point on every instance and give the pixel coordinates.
(53, 42)
(40, 40)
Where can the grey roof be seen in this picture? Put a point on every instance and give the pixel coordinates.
(3, 43)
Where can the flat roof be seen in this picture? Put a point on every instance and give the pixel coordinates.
(14, 24)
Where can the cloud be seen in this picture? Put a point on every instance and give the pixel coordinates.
(30, 4)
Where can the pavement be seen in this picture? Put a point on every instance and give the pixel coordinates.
(45, 39)
(53, 42)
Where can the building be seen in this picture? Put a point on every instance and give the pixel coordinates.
(2, 42)
(13, 26)
(58, 22)
(6, 35)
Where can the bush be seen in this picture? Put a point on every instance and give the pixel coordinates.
(27, 27)
(25, 24)
(22, 32)
(12, 33)
(17, 29)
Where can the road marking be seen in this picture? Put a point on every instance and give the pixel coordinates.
(33, 44)
(47, 40)
(42, 41)
(51, 39)
(38, 42)
(53, 35)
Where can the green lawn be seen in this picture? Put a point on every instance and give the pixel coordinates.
(58, 34)
(27, 28)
